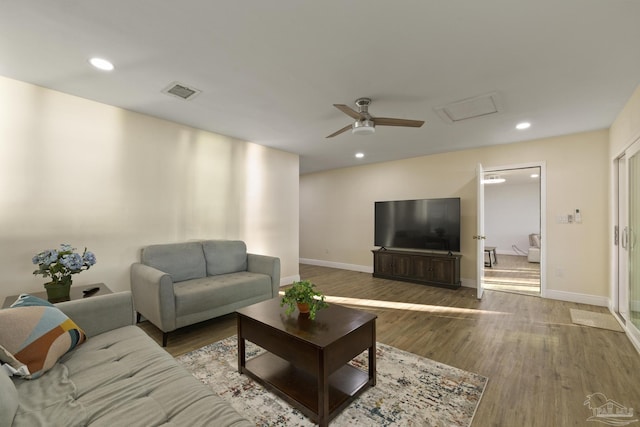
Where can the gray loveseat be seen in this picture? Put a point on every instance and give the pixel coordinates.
(118, 377)
(179, 284)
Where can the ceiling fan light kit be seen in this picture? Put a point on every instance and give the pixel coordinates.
(363, 127)
(365, 123)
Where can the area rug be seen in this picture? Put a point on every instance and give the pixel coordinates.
(595, 320)
(410, 390)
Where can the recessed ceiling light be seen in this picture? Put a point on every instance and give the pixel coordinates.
(359, 155)
(523, 125)
(101, 64)
(493, 179)
(534, 175)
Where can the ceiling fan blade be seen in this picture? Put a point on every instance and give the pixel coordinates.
(386, 121)
(349, 111)
(344, 129)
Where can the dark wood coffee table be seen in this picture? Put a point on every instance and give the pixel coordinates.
(306, 360)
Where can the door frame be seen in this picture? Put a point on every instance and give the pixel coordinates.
(543, 215)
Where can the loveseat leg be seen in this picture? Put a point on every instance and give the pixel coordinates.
(165, 335)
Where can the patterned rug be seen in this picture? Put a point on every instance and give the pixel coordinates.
(410, 390)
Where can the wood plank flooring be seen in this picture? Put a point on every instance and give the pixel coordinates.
(540, 366)
(513, 273)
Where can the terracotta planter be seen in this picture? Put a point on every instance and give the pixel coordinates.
(303, 308)
(58, 291)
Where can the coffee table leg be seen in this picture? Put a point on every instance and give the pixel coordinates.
(323, 391)
(241, 348)
(372, 356)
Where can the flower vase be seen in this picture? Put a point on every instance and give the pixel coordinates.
(58, 291)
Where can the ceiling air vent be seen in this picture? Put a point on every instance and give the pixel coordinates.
(181, 91)
(479, 106)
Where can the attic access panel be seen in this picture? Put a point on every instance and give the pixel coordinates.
(471, 108)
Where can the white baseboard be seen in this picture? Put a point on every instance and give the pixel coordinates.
(289, 280)
(468, 283)
(340, 265)
(576, 297)
(511, 252)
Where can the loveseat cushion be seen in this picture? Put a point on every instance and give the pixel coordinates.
(225, 256)
(199, 295)
(183, 261)
(121, 377)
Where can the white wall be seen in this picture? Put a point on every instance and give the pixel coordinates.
(88, 174)
(336, 207)
(511, 212)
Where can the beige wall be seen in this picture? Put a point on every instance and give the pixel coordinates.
(84, 173)
(336, 207)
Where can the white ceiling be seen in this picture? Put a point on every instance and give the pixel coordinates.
(269, 71)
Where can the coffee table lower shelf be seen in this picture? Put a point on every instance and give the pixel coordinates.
(300, 388)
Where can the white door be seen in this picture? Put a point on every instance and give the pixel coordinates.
(633, 220)
(623, 241)
(480, 232)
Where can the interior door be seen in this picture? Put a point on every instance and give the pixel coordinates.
(480, 232)
(633, 182)
(622, 240)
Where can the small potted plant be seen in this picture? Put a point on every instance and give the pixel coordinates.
(305, 297)
(59, 265)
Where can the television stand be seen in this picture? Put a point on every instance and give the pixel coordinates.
(426, 268)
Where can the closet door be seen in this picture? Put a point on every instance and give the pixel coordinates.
(633, 231)
(621, 239)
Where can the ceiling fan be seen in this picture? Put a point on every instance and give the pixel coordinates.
(365, 123)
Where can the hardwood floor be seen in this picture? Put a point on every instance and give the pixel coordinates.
(540, 366)
(513, 273)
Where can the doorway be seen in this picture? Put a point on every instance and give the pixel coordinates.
(513, 229)
(627, 292)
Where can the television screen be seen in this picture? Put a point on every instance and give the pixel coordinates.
(430, 224)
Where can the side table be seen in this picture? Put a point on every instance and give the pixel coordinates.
(76, 293)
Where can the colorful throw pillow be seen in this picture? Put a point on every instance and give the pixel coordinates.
(35, 334)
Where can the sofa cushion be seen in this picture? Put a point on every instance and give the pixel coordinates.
(36, 334)
(183, 261)
(225, 256)
(215, 291)
(121, 377)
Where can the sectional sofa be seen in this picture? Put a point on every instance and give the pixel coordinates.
(117, 377)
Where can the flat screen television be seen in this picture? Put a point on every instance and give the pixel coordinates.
(427, 224)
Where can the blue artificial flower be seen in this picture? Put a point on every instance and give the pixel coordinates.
(72, 262)
(89, 258)
(51, 257)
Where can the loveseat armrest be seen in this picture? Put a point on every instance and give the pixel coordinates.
(153, 296)
(268, 265)
(100, 313)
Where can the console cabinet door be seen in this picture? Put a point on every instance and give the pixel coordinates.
(442, 270)
(422, 268)
(402, 265)
(384, 263)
